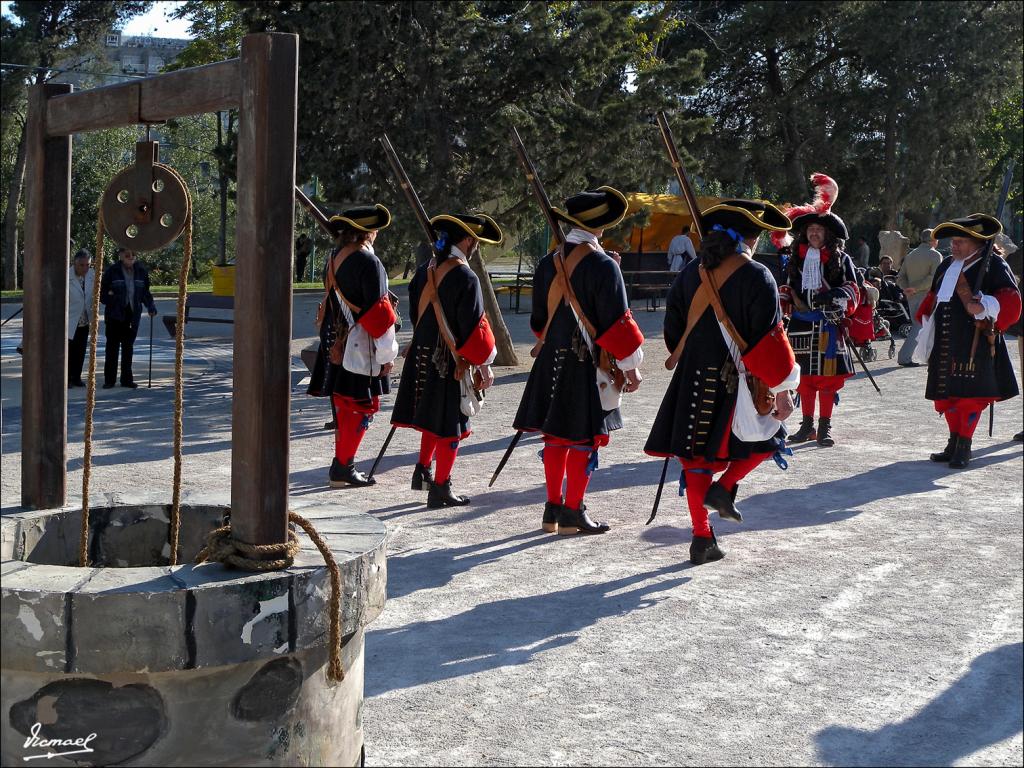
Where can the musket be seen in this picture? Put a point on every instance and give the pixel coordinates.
(698, 227)
(537, 186)
(383, 450)
(318, 216)
(408, 190)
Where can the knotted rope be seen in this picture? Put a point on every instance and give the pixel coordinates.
(222, 547)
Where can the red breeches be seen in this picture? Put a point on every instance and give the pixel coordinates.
(820, 388)
(353, 420)
(963, 413)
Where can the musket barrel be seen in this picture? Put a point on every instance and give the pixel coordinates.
(407, 188)
(684, 182)
(537, 186)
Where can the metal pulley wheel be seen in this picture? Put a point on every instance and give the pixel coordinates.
(146, 206)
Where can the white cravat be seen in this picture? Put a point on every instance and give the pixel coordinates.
(948, 286)
(577, 236)
(811, 278)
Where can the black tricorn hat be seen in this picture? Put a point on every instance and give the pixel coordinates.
(594, 209)
(364, 218)
(748, 217)
(978, 225)
(829, 221)
(478, 225)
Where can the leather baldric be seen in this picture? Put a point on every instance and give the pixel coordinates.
(332, 284)
(703, 299)
(561, 287)
(435, 275)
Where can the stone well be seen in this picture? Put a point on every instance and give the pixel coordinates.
(182, 665)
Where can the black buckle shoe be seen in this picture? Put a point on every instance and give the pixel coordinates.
(825, 433)
(723, 502)
(347, 474)
(573, 521)
(1019, 437)
(422, 475)
(549, 524)
(961, 454)
(806, 431)
(705, 549)
(441, 495)
(946, 453)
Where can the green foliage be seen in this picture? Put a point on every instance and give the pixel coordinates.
(446, 81)
(904, 103)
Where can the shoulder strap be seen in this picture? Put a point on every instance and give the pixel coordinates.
(333, 267)
(561, 288)
(435, 275)
(708, 277)
(702, 299)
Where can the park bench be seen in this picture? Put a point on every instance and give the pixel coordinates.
(514, 284)
(202, 301)
(646, 277)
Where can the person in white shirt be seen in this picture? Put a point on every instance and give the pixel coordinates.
(80, 282)
(680, 252)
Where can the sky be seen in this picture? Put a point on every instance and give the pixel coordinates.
(154, 22)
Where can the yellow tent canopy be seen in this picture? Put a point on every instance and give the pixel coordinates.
(669, 216)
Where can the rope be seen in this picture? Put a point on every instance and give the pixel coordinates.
(222, 547)
(179, 384)
(90, 390)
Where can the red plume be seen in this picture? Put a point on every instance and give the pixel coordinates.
(825, 193)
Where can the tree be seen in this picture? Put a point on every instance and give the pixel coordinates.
(446, 81)
(43, 34)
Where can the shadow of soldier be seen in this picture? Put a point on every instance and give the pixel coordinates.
(980, 709)
(503, 632)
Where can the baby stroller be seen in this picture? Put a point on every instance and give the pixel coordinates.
(866, 326)
(893, 307)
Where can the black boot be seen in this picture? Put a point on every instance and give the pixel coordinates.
(573, 521)
(806, 431)
(961, 454)
(420, 475)
(947, 453)
(347, 474)
(441, 495)
(704, 549)
(1019, 437)
(723, 502)
(825, 433)
(549, 524)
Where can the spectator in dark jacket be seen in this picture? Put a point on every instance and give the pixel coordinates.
(123, 291)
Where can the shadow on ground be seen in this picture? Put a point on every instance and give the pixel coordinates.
(980, 709)
(497, 634)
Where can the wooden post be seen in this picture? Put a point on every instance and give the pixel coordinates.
(267, 126)
(44, 378)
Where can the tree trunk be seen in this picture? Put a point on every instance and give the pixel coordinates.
(10, 277)
(502, 338)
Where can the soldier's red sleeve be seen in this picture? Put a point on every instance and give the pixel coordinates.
(623, 338)
(1009, 307)
(772, 358)
(378, 318)
(480, 344)
(926, 308)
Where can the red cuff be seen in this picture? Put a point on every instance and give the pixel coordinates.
(786, 300)
(378, 318)
(926, 308)
(771, 359)
(1009, 307)
(623, 338)
(480, 344)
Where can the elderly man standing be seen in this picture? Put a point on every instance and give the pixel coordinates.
(80, 282)
(915, 279)
(123, 290)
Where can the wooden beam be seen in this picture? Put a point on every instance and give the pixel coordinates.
(192, 91)
(44, 385)
(267, 127)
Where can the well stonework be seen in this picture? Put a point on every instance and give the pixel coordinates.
(186, 664)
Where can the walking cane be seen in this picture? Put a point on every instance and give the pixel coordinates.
(150, 385)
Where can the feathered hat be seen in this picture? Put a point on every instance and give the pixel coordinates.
(818, 212)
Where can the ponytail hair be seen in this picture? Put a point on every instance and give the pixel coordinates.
(715, 246)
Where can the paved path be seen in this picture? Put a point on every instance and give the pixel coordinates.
(868, 611)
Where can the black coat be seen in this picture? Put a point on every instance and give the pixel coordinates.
(429, 395)
(561, 397)
(114, 294)
(950, 369)
(362, 279)
(696, 412)
(811, 338)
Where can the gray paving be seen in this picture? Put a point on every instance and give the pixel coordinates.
(868, 611)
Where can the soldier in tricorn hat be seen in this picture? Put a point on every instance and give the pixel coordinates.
(702, 420)
(968, 367)
(357, 336)
(822, 290)
(589, 346)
